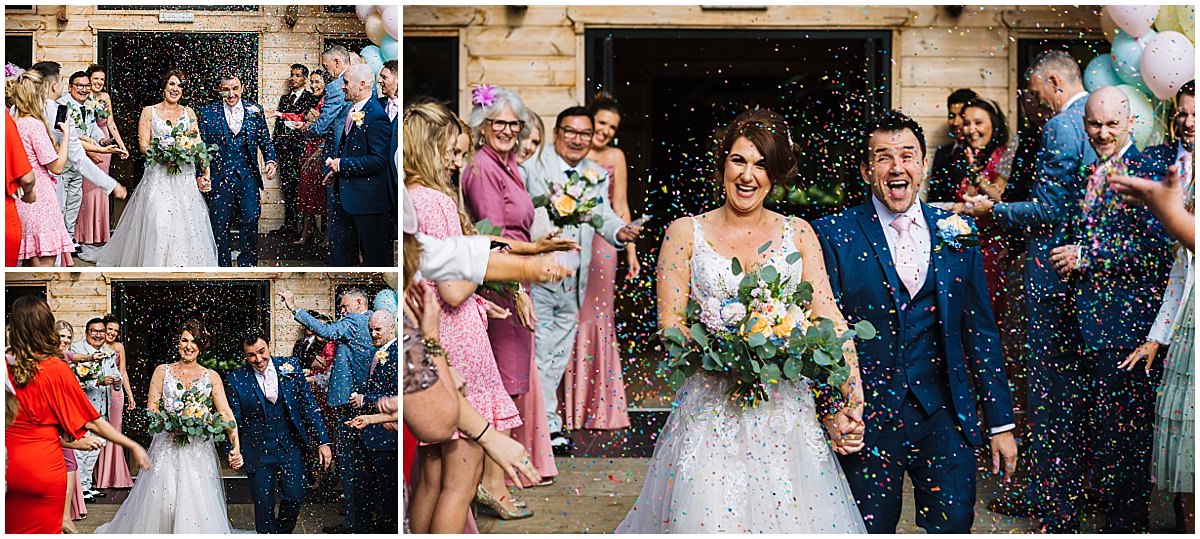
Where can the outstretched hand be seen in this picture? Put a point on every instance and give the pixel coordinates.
(289, 299)
(140, 457)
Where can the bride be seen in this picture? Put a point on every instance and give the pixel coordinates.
(718, 467)
(182, 491)
(166, 221)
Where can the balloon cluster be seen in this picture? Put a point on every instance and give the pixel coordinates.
(382, 24)
(1153, 55)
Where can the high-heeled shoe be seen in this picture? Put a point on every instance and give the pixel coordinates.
(485, 498)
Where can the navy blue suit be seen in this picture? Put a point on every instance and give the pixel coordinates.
(347, 374)
(1102, 413)
(382, 445)
(273, 438)
(937, 359)
(364, 192)
(235, 177)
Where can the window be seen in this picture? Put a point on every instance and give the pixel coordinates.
(431, 69)
(18, 50)
(12, 292)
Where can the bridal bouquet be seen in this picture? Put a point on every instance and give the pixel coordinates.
(179, 148)
(764, 335)
(570, 202)
(191, 415)
(86, 371)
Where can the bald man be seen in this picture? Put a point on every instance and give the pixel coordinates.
(1117, 268)
(378, 495)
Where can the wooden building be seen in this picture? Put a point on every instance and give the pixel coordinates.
(137, 44)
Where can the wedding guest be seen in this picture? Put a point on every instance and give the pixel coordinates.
(349, 371)
(97, 391)
(92, 226)
(44, 233)
(1053, 345)
(593, 388)
(363, 192)
(557, 305)
(75, 507)
(948, 164)
(530, 146)
(77, 159)
(329, 126)
(1118, 266)
(50, 401)
(111, 469)
(19, 178)
(988, 158)
(83, 115)
(311, 204)
(382, 444)
(389, 84)
(290, 143)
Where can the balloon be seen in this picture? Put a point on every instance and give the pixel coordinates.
(1099, 73)
(391, 21)
(372, 56)
(1127, 57)
(1107, 24)
(374, 28)
(1135, 20)
(389, 48)
(1168, 62)
(1186, 20)
(1166, 21)
(363, 11)
(1142, 110)
(386, 300)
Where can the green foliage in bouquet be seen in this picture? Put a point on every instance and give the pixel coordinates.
(179, 148)
(191, 415)
(504, 288)
(571, 203)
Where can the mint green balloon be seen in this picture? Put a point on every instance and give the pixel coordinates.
(1141, 109)
(1127, 57)
(1100, 73)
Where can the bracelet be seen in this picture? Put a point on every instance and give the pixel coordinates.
(433, 347)
(481, 433)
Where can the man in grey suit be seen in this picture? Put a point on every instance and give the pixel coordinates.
(557, 304)
(96, 391)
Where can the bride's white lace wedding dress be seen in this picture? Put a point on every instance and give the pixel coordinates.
(719, 468)
(166, 222)
(182, 491)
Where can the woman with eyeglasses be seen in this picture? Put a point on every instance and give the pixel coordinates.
(493, 189)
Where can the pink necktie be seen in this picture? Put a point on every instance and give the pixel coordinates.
(349, 121)
(905, 257)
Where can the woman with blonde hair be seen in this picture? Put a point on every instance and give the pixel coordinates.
(44, 231)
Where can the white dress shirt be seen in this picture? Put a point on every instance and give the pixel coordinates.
(234, 116)
(76, 157)
(919, 231)
(268, 381)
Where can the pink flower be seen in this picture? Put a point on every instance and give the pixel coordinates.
(483, 95)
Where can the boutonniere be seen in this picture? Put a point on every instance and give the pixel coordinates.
(286, 369)
(252, 109)
(957, 233)
(381, 357)
(358, 116)
(592, 175)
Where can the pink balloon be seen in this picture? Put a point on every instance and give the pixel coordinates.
(1168, 62)
(363, 11)
(391, 21)
(1134, 20)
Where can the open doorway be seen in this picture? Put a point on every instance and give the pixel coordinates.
(151, 310)
(135, 63)
(678, 88)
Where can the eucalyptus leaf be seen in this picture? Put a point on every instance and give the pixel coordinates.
(764, 248)
(793, 258)
(673, 335)
(791, 368)
(865, 330)
(699, 336)
(770, 374)
(821, 357)
(676, 379)
(756, 340)
(769, 274)
(736, 266)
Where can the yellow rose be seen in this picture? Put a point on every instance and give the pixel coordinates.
(784, 327)
(760, 325)
(566, 205)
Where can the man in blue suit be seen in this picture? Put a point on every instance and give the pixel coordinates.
(1117, 263)
(382, 444)
(389, 99)
(1054, 351)
(278, 419)
(363, 192)
(351, 363)
(239, 129)
(906, 267)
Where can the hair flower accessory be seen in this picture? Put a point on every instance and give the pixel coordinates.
(11, 71)
(483, 95)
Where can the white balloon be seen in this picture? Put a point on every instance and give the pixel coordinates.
(391, 21)
(1135, 20)
(1167, 63)
(363, 11)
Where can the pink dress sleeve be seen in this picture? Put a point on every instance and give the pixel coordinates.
(438, 217)
(39, 140)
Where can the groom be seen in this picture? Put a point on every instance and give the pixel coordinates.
(239, 129)
(277, 420)
(902, 265)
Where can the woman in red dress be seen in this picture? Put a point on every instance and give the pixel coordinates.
(311, 195)
(50, 401)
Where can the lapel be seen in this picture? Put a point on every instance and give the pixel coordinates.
(252, 379)
(937, 272)
(227, 133)
(873, 230)
(280, 394)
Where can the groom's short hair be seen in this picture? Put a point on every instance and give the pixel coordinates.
(50, 70)
(892, 121)
(252, 336)
(228, 74)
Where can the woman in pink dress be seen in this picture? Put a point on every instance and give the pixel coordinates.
(111, 469)
(44, 232)
(450, 471)
(92, 227)
(593, 389)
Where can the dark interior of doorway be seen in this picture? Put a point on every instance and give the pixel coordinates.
(678, 89)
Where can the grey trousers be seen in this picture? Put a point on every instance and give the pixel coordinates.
(557, 308)
(86, 460)
(72, 182)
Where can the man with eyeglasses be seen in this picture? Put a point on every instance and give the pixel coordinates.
(557, 304)
(91, 138)
(96, 389)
